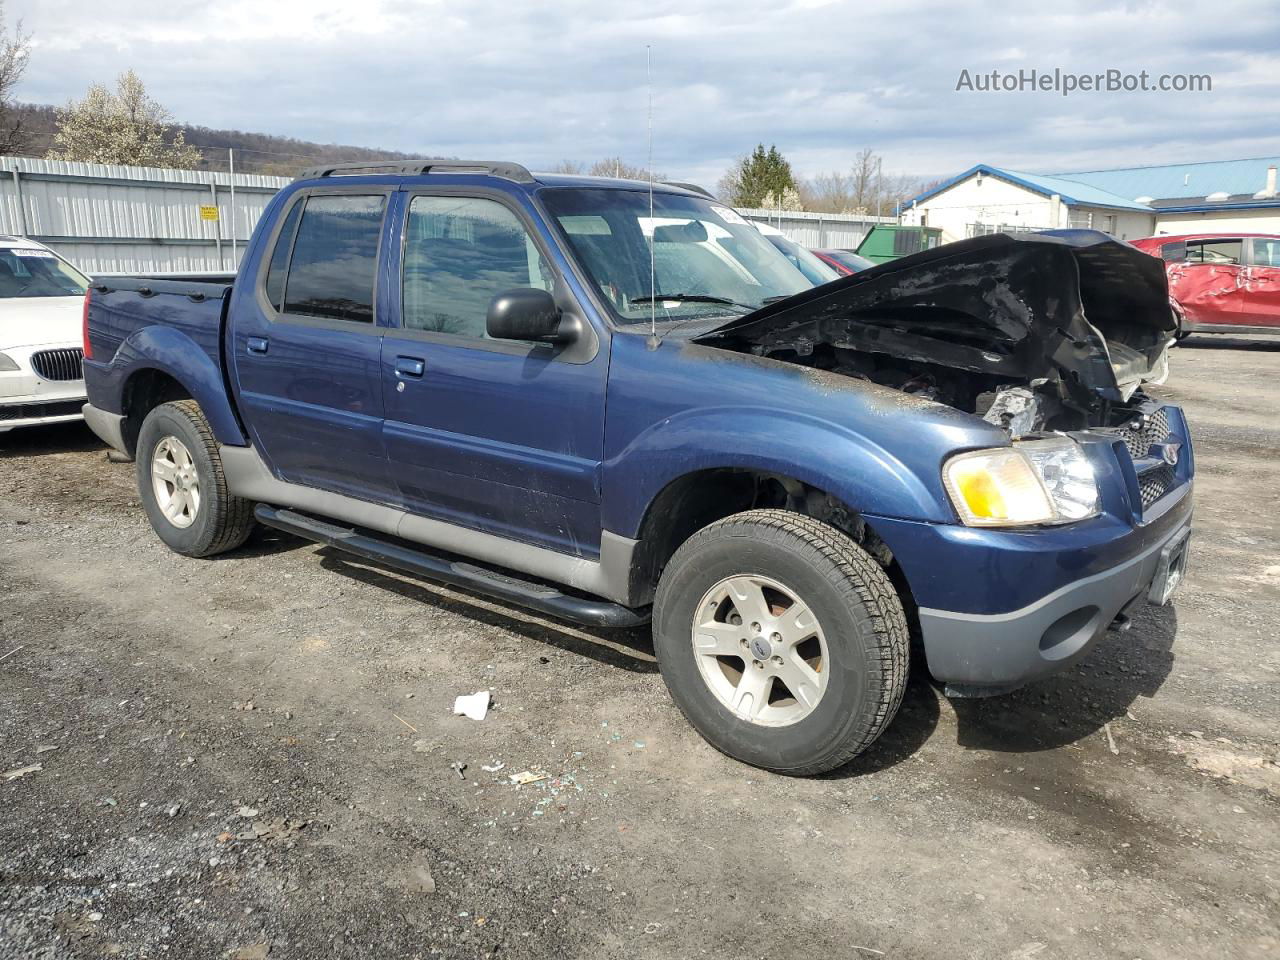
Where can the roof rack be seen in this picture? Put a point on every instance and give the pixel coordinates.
(412, 168)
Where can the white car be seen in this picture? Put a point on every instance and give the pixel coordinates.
(41, 307)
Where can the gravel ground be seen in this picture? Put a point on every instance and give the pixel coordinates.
(254, 756)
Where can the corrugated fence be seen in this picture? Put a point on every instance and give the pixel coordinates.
(116, 219)
(838, 231)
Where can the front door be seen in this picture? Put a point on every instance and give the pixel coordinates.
(498, 435)
(1207, 284)
(306, 351)
(1262, 283)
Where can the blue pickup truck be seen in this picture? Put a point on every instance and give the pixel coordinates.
(615, 402)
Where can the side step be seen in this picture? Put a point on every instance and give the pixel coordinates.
(540, 597)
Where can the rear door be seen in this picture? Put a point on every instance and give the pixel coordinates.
(498, 435)
(307, 350)
(1262, 283)
(1208, 281)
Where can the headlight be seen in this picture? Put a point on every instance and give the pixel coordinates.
(1067, 474)
(1037, 481)
(7, 364)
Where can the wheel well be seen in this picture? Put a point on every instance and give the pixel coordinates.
(143, 392)
(694, 501)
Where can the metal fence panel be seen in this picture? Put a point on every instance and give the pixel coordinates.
(840, 231)
(113, 219)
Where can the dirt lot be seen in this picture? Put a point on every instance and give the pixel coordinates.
(257, 752)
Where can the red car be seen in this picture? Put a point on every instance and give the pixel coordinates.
(1222, 282)
(844, 262)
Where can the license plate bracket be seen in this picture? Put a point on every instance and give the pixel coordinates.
(1170, 570)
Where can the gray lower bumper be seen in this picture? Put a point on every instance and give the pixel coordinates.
(108, 426)
(1008, 649)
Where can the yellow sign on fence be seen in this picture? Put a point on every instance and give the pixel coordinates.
(209, 213)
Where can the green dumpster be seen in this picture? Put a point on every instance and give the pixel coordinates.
(889, 241)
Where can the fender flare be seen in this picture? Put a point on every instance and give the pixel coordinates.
(860, 473)
(175, 353)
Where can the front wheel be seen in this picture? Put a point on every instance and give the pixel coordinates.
(781, 640)
(182, 486)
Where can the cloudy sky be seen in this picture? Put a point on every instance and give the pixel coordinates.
(541, 82)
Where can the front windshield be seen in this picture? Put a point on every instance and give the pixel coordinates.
(32, 272)
(707, 260)
(815, 271)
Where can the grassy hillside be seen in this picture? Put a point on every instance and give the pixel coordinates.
(255, 152)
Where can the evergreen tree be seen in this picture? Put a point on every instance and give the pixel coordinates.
(762, 178)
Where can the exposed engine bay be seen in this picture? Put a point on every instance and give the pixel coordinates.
(1035, 332)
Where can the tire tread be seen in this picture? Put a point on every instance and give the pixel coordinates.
(856, 574)
(233, 515)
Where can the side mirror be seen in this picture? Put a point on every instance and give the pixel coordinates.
(525, 313)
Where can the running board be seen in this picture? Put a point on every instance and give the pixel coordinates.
(539, 597)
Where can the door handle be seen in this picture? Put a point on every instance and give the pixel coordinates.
(257, 344)
(410, 366)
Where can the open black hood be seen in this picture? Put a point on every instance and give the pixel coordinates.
(1075, 307)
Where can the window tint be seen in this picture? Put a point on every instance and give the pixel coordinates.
(280, 257)
(1215, 251)
(461, 252)
(335, 259)
(1266, 252)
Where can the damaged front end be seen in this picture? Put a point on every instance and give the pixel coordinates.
(1036, 332)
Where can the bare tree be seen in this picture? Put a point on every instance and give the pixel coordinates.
(617, 167)
(866, 189)
(567, 166)
(125, 127)
(15, 50)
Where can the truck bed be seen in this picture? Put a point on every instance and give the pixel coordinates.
(195, 305)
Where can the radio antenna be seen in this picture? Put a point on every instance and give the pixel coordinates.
(653, 227)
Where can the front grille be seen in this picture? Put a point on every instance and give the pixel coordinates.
(1139, 435)
(1155, 483)
(65, 364)
(31, 411)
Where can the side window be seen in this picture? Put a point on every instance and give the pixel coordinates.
(459, 253)
(280, 256)
(335, 259)
(1215, 251)
(1174, 252)
(1266, 252)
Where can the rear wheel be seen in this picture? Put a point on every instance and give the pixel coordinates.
(182, 486)
(782, 640)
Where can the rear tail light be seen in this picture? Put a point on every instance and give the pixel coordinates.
(84, 325)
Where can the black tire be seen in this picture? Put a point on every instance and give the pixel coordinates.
(221, 522)
(855, 604)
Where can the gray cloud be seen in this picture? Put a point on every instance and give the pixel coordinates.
(544, 82)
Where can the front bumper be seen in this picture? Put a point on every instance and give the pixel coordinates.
(27, 399)
(1004, 649)
(998, 608)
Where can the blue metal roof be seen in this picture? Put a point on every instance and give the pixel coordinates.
(1073, 192)
(1189, 182)
(1181, 181)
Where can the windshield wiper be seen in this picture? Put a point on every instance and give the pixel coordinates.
(695, 298)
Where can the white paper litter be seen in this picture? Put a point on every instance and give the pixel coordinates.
(473, 705)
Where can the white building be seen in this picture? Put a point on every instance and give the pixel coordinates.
(1220, 196)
